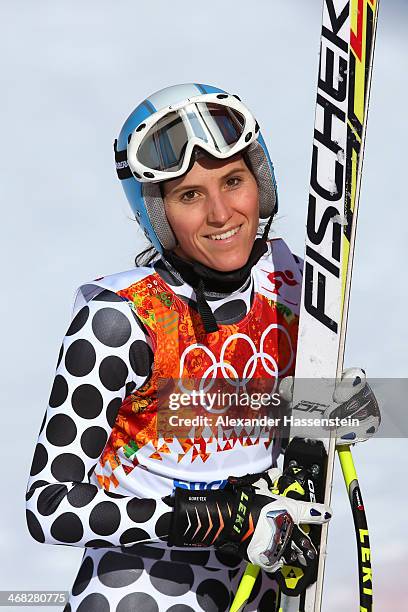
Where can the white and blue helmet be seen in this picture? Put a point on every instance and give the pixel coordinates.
(157, 141)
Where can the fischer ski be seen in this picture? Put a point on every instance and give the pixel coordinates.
(344, 79)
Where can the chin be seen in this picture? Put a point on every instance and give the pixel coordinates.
(233, 263)
(222, 262)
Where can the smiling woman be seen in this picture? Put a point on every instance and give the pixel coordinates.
(214, 212)
(218, 306)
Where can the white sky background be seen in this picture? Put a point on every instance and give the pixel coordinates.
(70, 74)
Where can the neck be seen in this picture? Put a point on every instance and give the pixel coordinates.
(221, 282)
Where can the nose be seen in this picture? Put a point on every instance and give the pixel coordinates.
(219, 209)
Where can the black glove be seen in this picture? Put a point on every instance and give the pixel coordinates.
(247, 519)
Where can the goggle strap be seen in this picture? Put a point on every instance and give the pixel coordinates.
(207, 315)
(122, 167)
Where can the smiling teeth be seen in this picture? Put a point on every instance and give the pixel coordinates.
(226, 235)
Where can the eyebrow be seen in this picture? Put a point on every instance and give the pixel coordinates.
(192, 187)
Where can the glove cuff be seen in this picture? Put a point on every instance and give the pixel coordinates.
(199, 518)
(224, 518)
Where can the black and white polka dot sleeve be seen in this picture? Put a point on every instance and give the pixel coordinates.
(104, 356)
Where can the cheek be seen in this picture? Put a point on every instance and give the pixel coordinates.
(249, 203)
(183, 222)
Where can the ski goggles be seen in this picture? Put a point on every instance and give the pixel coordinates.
(161, 147)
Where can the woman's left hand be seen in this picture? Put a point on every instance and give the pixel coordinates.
(353, 398)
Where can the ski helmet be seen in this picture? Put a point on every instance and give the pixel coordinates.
(157, 141)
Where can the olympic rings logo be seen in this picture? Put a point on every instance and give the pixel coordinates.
(228, 371)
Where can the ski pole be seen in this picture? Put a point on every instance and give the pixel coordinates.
(362, 537)
(360, 524)
(245, 588)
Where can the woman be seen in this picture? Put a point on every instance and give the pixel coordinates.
(216, 302)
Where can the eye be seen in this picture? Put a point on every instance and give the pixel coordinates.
(234, 181)
(188, 196)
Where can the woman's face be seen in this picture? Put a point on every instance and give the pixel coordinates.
(214, 212)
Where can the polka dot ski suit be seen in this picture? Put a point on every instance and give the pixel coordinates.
(117, 513)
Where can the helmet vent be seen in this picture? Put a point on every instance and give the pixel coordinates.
(148, 175)
(222, 96)
(140, 127)
(248, 137)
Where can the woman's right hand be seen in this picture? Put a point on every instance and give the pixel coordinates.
(247, 519)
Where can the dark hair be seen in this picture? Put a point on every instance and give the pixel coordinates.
(146, 257)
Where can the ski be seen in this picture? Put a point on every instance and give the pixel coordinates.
(344, 79)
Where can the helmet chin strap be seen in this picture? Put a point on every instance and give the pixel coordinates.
(202, 278)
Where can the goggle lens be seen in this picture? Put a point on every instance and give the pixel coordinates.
(164, 146)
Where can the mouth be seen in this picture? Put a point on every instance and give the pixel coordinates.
(225, 235)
